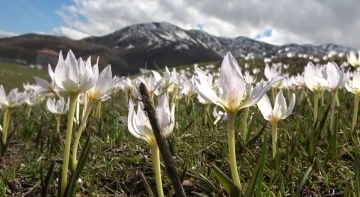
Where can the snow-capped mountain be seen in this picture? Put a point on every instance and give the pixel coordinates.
(154, 36)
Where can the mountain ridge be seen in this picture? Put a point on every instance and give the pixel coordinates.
(157, 44)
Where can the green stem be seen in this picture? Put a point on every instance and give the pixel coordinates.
(70, 122)
(79, 132)
(316, 103)
(273, 94)
(156, 163)
(274, 138)
(207, 110)
(58, 117)
(85, 105)
(322, 97)
(231, 146)
(28, 111)
(5, 123)
(244, 124)
(333, 105)
(337, 99)
(302, 94)
(355, 113)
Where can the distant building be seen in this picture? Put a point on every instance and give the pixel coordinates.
(45, 57)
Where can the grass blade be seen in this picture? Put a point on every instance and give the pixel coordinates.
(257, 177)
(225, 181)
(303, 181)
(146, 185)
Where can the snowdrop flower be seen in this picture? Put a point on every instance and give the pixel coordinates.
(103, 86)
(249, 78)
(44, 87)
(7, 104)
(273, 115)
(151, 84)
(310, 78)
(57, 106)
(235, 95)
(355, 62)
(280, 110)
(31, 99)
(333, 77)
(75, 76)
(255, 71)
(139, 126)
(99, 92)
(219, 115)
(353, 86)
(12, 100)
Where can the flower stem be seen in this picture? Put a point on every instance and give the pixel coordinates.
(274, 138)
(355, 113)
(333, 105)
(156, 163)
(4, 132)
(207, 110)
(70, 122)
(28, 111)
(58, 117)
(244, 124)
(316, 103)
(273, 92)
(79, 132)
(231, 146)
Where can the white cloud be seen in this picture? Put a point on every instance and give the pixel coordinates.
(70, 33)
(306, 21)
(4, 34)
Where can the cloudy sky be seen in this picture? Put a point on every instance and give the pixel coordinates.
(273, 21)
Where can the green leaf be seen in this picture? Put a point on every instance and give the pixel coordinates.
(303, 181)
(257, 136)
(357, 171)
(71, 187)
(146, 185)
(225, 181)
(257, 177)
(45, 183)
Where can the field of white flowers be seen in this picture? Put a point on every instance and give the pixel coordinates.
(204, 130)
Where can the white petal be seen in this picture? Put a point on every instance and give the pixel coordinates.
(290, 109)
(280, 105)
(265, 107)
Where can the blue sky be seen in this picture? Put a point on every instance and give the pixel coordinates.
(25, 16)
(319, 22)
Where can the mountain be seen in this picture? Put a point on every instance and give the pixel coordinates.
(25, 48)
(154, 45)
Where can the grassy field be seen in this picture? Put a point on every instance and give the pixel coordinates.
(13, 76)
(117, 159)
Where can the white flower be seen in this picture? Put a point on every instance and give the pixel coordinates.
(280, 110)
(13, 99)
(333, 77)
(57, 106)
(103, 86)
(353, 60)
(354, 84)
(44, 87)
(219, 115)
(310, 80)
(139, 124)
(31, 99)
(75, 76)
(236, 93)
